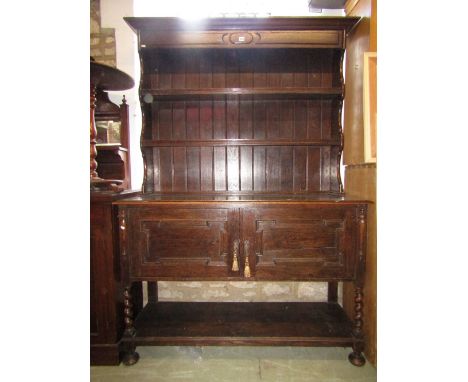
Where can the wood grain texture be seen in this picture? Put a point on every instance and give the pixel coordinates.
(373, 27)
(113, 159)
(106, 322)
(242, 149)
(250, 33)
(361, 178)
(356, 44)
(173, 242)
(361, 182)
(205, 323)
(303, 240)
(230, 162)
(240, 69)
(173, 24)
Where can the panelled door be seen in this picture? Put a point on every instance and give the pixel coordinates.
(173, 242)
(300, 242)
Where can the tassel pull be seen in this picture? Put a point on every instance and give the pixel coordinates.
(246, 255)
(235, 260)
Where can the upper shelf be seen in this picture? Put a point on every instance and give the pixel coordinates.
(262, 93)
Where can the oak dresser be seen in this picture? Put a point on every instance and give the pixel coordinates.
(242, 144)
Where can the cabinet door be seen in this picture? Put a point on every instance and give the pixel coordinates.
(300, 242)
(181, 243)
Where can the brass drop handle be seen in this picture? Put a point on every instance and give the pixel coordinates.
(235, 257)
(246, 256)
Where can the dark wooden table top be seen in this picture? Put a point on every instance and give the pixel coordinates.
(108, 78)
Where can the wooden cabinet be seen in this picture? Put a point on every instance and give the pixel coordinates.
(106, 310)
(242, 143)
(112, 127)
(287, 242)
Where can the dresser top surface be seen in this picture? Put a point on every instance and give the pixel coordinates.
(321, 198)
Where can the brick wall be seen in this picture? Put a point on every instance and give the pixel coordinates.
(102, 40)
(242, 291)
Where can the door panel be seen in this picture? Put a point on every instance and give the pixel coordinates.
(182, 242)
(303, 242)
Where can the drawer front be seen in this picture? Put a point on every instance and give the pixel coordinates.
(307, 243)
(180, 243)
(243, 39)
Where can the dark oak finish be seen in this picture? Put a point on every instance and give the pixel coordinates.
(170, 242)
(256, 93)
(289, 239)
(106, 321)
(291, 243)
(275, 98)
(237, 142)
(113, 159)
(103, 78)
(105, 288)
(267, 323)
(242, 237)
(242, 150)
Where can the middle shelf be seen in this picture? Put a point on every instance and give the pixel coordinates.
(238, 142)
(150, 95)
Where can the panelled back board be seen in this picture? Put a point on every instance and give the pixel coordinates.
(239, 119)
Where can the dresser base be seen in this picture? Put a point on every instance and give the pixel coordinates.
(240, 323)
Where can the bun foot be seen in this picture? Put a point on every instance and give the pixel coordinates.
(357, 359)
(130, 359)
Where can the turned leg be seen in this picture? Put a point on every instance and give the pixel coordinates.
(356, 357)
(130, 356)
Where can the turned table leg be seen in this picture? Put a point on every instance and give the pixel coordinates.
(130, 356)
(356, 357)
